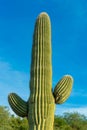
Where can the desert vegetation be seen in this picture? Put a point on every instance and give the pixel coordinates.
(68, 121)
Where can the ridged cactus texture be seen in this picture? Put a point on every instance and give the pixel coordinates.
(40, 107)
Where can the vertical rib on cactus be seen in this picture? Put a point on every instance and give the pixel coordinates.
(41, 97)
(39, 109)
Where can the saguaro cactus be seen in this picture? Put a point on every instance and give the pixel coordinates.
(40, 107)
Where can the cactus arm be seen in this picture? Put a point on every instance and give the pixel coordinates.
(18, 105)
(63, 89)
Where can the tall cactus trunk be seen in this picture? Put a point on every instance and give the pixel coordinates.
(41, 102)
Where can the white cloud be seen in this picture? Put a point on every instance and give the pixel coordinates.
(60, 110)
(12, 80)
(79, 93)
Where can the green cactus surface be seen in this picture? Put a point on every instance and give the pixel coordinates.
(40, 107)
(63, 89)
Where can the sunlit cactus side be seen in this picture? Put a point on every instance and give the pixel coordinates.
(40, 107)
(63, 89)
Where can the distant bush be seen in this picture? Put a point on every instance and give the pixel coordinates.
(68, 121)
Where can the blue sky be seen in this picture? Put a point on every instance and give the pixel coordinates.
(69, 47)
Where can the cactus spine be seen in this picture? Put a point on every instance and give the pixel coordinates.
(40, 107)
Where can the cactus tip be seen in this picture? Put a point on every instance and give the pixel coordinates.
(69, 76)
(44, 14)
